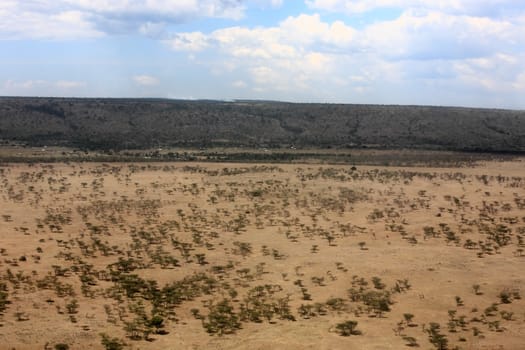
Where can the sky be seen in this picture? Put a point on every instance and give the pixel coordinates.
(418, 52)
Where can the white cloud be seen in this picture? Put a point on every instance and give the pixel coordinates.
(268, 3)
(23, 85)
(152, 29)
(174, 9)
(145, 80)
(519, 83)
(17, 23)
(291, 39)
(265, 75)
(308, 29)
(416, 53)
(498, 73)
(436, 35)
(459, 47)
(193, 41)
(413, 35)
(41, 87)
(154, 10)
(69, 84)
(486, 8)
(68, 19)
(239, 84)
(288, 57)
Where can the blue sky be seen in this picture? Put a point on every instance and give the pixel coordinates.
(431, 52)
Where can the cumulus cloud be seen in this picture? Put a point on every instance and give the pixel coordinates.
(42, 87)
(23, 85)
(428, 47)
(69, 84)
(287, 57)
(269, 3)
(436, 35)
(172, 9)
(193, 41)
(65, 19)
(413, 35)
(20, 22)
(475, 46)
(239, 84)
(276, 3)
(73, 19)
(291, 39)
(152, 29)
(145, 80)
(490, 8)
(519, 83)
(498, 73)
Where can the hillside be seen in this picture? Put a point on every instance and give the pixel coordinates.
(144, 123)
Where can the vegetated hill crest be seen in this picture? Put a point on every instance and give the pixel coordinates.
(97, 123)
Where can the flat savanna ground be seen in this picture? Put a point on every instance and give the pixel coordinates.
(258, 256)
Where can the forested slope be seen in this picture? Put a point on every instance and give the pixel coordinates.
(143, 123)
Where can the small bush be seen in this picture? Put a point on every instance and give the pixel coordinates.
(111, 343)
(222, 319)
(347, 328)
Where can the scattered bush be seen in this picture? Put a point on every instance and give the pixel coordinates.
(222, 319)
(347, 328)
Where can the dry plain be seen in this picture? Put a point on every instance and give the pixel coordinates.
(283, 256)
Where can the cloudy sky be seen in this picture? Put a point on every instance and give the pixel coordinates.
(433, 52)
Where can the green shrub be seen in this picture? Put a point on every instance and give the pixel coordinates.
(222, 319)
(347, 328)
(111, 343)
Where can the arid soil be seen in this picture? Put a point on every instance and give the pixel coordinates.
(261, 256)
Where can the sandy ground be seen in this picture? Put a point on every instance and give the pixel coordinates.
(315, 235)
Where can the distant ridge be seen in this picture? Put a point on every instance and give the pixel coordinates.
(118, 123)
